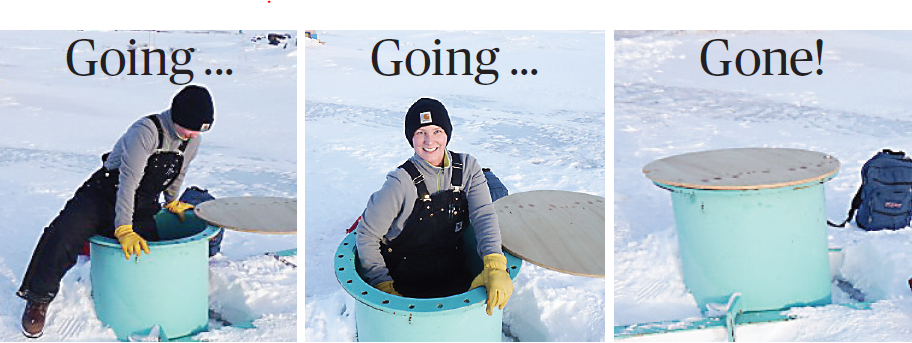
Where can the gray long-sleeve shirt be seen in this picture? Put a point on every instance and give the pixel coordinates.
(132, 151)
(389, 208)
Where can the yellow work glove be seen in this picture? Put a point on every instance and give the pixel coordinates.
(496, 279)
(177, 207)
(387, 286)
(131, 243)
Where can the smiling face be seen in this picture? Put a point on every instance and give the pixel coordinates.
(430, 144)
(185, 134)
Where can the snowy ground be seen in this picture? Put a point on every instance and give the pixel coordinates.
(666, 105)
(57, 124)
(544, 131)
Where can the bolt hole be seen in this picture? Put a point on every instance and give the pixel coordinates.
(385, 302)
(341, 268)
(346, 243)
(363, 292)
(465, 301)
(439, 305)
(513, 267)
(340, 256)
(349, 281)
(411, 307)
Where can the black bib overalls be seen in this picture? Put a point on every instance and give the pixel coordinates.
(427, 260)
(90, 212)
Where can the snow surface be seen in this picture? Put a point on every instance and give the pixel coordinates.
(545, 131)
(57, 124)
(664, 104)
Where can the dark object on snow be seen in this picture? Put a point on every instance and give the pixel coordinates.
(277, 38)
(194, 195)
(849, 289)
(884, 200)
(497, 188)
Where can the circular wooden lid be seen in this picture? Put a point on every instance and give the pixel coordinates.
(743, 168)
(251, 214)
(558, 230)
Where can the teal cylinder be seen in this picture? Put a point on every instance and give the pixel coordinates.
(770, 245)
(168, 288)
(384, 317)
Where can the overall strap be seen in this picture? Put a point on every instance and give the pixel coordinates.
(158, 125)
(457, 171)
(417, 179)
(161, 134)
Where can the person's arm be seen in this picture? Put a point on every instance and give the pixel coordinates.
(138, 143)
(481, 208)
(382, 209)
(495, 276)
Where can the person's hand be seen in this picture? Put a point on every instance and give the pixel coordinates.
(387, 286)
(178, 207)
(496, 279)
(131, 243)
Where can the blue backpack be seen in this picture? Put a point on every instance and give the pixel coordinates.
(194, 195)
(884, 200)
(497, 188)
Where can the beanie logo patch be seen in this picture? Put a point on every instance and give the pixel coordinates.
(204, 127)
(426, 117)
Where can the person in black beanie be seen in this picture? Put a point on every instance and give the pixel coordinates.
(424, 112)
(410, 234)
(121, 198)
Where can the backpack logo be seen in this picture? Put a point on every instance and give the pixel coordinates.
(426, 117)
(890, 204)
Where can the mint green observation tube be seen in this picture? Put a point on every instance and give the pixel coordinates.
(382, 317)
(168, 288)
(751, 221)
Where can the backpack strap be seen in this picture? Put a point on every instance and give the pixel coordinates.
(417, 179)
(856, 202)
(891, 152)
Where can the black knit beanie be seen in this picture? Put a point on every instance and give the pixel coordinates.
(424, 112)
(192, 108)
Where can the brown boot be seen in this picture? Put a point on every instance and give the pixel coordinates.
(33, 318)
